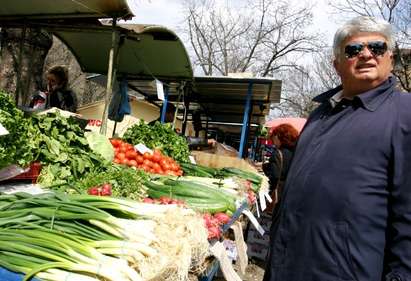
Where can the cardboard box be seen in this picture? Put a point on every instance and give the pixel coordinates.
(221, 161)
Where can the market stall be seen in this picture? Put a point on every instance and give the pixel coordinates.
(79, 166)
(136, 203)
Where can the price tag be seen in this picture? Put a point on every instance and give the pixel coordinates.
(192, 160)
(254, 221)
(266, 195)
(142, 148)
(261, 197)
(3, 131)
(160, 90)
(258, 209)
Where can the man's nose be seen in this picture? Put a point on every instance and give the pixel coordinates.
(365, 52)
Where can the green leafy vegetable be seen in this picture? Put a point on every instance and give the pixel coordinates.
(19, 146)
(125, 182)
(159, 136)
(100, 144)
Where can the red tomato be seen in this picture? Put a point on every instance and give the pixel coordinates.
(139, 159)
(156, 166)
(147, 155)
(121, 156)
(132, 163)
(145, 168)
(131, 154)
(164, 164)
(156, 157)
(117, 161)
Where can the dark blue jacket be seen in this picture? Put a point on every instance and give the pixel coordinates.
(346, 209)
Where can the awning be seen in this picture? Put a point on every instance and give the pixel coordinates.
(61, 9)
(224, 98)
(145, 51)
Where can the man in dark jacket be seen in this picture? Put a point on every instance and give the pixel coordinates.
(346, 207)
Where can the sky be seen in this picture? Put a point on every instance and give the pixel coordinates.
(168, 13)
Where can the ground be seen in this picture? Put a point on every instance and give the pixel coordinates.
(254, 272)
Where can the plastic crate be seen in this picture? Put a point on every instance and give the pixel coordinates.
(32, 173)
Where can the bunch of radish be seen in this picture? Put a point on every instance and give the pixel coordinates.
(155, 163)
(250, 193)
(214, 223)
(101, 190)
(164, 200)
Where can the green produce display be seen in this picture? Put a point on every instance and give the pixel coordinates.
(159, 136)
(202, 171)
(18, 147)
(64, 150)
(125, 182)
(197, 196)
(54, 236)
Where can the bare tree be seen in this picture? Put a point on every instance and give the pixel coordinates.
(398, 13)
(22, 58)
(261, 36)
(323, 71)
(302, 84)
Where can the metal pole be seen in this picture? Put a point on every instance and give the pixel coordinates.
(109, 86)
(186, 109)
(246, 120)
(165, 102)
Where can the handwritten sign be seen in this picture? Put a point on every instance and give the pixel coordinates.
(3, 131)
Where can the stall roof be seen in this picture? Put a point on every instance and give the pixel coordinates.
(146, 52)
(224, 98)
(60, 9)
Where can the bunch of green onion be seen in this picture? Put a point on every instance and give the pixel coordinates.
(74, 237)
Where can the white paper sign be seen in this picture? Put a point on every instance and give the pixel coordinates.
(258, 209)
(3, 131)
(261, 197)
(254, 221)
(192, 160)
(268, 197)
(160, 90)
(241, 246)
(218, 250)
(142, 148)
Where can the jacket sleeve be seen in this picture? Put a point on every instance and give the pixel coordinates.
(398, 249)
(272, 170)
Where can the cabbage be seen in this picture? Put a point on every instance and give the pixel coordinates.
(100, 144)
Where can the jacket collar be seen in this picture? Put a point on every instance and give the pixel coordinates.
(370, 100)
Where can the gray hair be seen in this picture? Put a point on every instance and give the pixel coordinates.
(362, 24)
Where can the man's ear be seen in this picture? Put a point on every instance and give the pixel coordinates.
(336, 65)
(392, 60)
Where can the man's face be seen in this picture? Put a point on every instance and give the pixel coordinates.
(365, 70)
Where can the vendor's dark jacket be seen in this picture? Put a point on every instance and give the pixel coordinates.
(274, 169)
(62, 99)
(346, 209)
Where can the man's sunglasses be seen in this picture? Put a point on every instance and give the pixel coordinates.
(377, 48)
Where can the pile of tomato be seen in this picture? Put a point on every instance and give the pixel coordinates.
(156, 163)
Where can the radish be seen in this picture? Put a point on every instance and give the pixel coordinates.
(222, 218)
(93, 190)
(148, 200)
(106, 189)
(214, 232)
